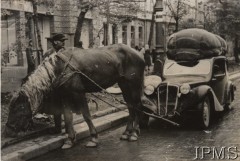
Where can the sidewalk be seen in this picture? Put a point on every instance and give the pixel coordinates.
(34, 147)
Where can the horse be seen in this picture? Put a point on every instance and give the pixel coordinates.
(67, 76)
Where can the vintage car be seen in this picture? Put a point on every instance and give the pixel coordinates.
(188, 90)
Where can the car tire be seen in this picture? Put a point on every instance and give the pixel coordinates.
(143, 121)
(205, 114)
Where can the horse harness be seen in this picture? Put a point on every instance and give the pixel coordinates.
(77, 71)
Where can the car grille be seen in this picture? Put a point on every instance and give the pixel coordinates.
(168, 98)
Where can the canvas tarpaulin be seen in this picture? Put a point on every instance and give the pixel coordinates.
(194, 44)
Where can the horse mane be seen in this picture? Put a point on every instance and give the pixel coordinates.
(39, 83)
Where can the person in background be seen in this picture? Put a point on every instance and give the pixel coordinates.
(137, 48)
(154, 55)
(80, 45)
(30, 59)
(58, 42)
(147, 57)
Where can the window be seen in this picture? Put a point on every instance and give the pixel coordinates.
(124, 34)
(219, 67)
(132, 36)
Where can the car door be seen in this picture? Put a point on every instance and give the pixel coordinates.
(219, 78)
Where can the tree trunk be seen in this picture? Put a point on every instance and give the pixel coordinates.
(176, 25)
(78, 30)
(37, 31)
(151, 28)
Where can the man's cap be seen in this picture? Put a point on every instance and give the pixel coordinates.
(57, 37)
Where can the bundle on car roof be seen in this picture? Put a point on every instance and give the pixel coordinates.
(195, 44)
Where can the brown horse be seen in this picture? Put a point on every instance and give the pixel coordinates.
(63, 78)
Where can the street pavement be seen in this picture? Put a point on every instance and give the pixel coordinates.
(163, 142)
(39, 146)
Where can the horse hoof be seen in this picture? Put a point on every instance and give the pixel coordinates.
(133, 137)
(92, 143)
(124, 137)
(67, 144)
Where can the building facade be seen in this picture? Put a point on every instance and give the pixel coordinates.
(61, 16)
(18, 27)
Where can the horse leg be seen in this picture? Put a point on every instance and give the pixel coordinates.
(58, 123)
(68, 119)
(129, 127)
(87, 117)
(135, 130)
(132, 97)
(58, 128)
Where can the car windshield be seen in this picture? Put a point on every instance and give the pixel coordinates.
(202, 67)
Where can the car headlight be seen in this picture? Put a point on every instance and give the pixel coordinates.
(148, 90)
(185, 88)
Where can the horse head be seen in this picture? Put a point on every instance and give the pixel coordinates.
(20, 115)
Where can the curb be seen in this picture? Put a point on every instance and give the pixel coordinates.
(101, 124)
(76, 120)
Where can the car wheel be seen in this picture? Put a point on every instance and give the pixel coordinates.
(205, 114)
(143, 121)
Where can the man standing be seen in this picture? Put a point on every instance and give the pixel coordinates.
(30, 59)
(58, 42)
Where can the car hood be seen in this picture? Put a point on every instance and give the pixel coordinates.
(188, 79)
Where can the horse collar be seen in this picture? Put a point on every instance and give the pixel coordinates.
(67, 61)
(64, 77)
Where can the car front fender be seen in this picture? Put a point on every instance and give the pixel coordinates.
(230, 88)
(202, 91)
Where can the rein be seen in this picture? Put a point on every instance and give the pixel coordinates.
(77, 71)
